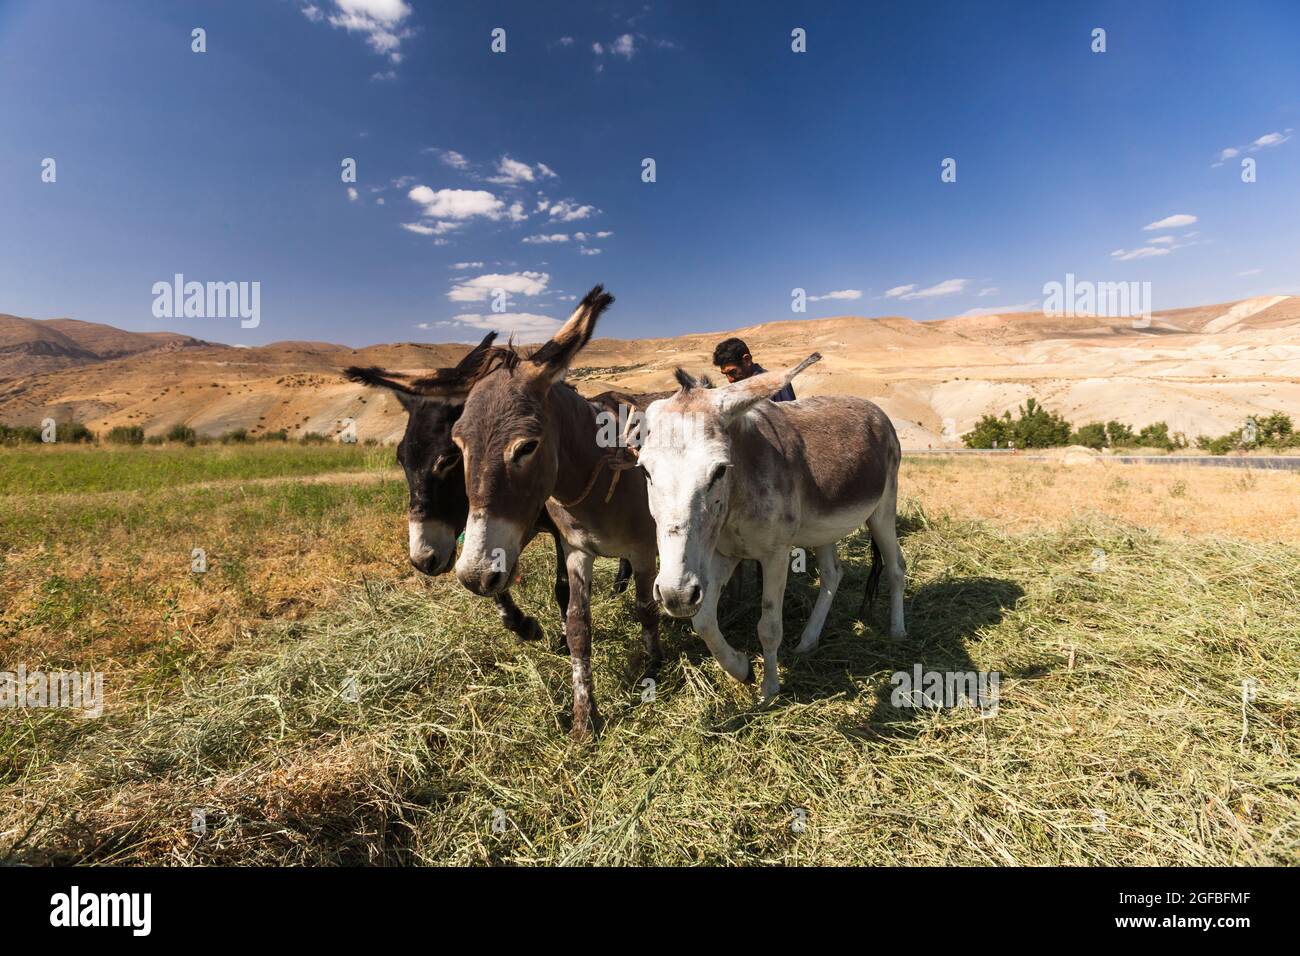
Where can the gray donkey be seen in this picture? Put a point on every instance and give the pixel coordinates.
(733, 475)
(532, 446)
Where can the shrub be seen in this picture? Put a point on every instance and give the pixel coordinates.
(989, 432)
(19, 434)
(76, 433)
(182, 433)
(1093, 435)
(1155, 435)
(238, 436)
(280, 435)
(1273, 431)
(1039, 428)
(1119, 434)
(126, 435)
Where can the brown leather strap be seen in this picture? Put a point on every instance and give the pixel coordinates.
(616, 467)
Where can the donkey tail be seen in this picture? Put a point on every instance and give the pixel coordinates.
(873, 580)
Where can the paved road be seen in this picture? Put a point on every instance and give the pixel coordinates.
(1275, 462)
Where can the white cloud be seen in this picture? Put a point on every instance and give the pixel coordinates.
(946, 287)
(1268, 139)
(589, 252)
(380, 201)
(480, 287)
(839, 294)
(1033, 305)
(511, 171)
(1263, 142)
(992, 290)
(378, 21)
(1250, 272)
(437, 229)
(566, 211)
(467, 265)
(384, 77)
(524, 326)
(553, 237)
(1144, 252)
(452, 158)
(457, 203)
(566, 41)
(352, 194)
(1161, 241)
(1170, 222)
(584, 236)
(624, 46)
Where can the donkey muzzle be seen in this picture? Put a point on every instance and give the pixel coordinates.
(681, 598)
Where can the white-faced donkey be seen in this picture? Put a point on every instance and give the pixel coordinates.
(733, 475)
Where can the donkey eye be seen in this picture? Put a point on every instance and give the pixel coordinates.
(446, 462)
(524, 449)
(718, 472)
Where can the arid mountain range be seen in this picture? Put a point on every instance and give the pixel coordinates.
(1203, 370)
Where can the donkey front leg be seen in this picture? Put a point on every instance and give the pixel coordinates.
(647, 611)
(516, 621)
(705, 622)
(829, 573)
(578, 633)
(769, 622)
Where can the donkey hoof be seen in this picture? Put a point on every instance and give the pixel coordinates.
(583, 729)
(749, 678)
(531, 630)
(806, 646)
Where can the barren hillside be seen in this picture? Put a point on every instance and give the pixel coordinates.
(1203, 370)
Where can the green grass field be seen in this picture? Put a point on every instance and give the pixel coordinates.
(53, 469)
(379, 717)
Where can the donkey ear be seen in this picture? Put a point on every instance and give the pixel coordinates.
(734, 400)
(446, 384)
(552, 360)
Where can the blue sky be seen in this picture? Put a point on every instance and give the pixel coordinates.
(775, 170)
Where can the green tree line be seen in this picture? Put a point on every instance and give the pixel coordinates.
(1037, 427)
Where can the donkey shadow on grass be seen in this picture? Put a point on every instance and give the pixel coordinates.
(944, 617)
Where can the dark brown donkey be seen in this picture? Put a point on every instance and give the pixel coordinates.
(436, 481)
(532, 446)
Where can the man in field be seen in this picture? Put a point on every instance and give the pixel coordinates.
(734, 361)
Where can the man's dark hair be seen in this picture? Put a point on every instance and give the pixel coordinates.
(730, 352)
